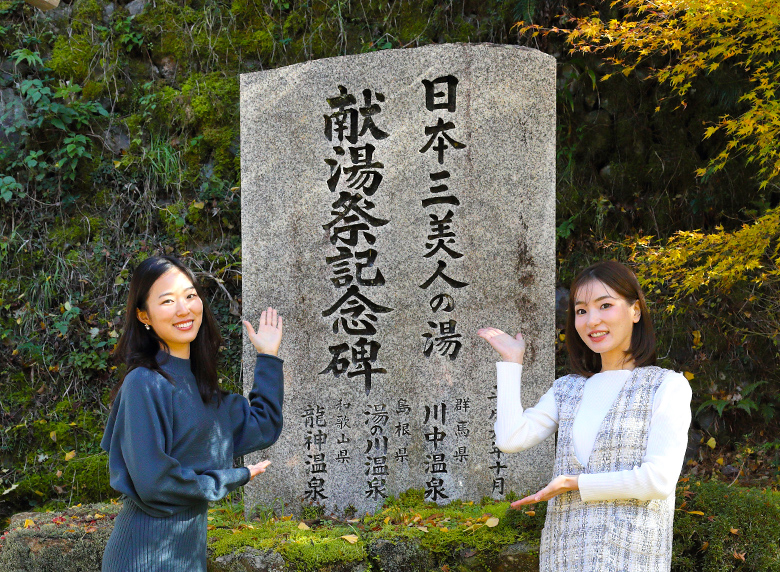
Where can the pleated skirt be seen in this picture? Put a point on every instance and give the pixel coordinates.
(143, 543)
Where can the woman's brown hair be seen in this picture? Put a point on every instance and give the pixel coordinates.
(621, 280)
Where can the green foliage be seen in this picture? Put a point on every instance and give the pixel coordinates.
(27, 56)
(9, 187)
(127, 36)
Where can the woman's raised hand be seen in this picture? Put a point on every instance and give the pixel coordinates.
(509, 348)
(269, 332)
(260, 467)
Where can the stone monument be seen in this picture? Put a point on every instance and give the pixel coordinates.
(393, 203)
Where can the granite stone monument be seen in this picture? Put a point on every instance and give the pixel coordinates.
(393, 203)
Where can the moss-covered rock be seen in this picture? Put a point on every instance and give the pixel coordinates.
(717, 528)
(70, 541)
(400, 556)
(249, 559)
(72, 57)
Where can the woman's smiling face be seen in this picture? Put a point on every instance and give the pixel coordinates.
(605, 321)
(174, 311)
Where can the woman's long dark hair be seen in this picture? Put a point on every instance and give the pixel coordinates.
(623, 282)
(138, 347)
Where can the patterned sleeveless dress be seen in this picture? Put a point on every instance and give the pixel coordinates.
(615, 535)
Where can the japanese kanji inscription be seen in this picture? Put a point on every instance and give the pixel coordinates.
(392, 204)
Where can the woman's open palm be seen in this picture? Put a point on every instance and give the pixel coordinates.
(509, 348)
(268, 336)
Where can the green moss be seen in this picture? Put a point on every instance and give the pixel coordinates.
(166, 28)
(79, 231)
(212, 97)
(93, 90)
(437, 533)
(263, 42)
(294, 23)
(735, 521)
(173, 219)
(212, 100)
(413, 24)
(85, 14)
(72, 57)
(454, 526)
(307, 550)
(85, 478)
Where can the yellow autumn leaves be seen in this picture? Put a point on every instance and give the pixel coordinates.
(694, 39)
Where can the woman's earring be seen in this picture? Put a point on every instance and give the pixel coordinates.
(146, 326)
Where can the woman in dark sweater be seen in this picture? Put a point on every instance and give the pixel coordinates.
(172, 433)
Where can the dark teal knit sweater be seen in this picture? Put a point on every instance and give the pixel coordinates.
(167, 450)
(170, 454)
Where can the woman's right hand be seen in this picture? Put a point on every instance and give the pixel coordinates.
(268, 336)
(255, 470)
(509, 348)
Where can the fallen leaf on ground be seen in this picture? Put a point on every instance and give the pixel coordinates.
(13, 486)
(70, 455)
(28, 523)
(351, 538)
(491, 522)
(739, 555)
(423, 528)
(303, 526)
(734, 530)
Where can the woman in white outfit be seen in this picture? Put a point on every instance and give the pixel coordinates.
(622, 427)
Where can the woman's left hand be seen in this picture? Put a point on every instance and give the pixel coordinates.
(268, 336)
(557, 486)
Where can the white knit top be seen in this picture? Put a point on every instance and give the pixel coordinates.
(518, 429)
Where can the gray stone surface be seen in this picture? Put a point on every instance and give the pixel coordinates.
(400, 556)
(423, 413)
(12, 109)
(136, 7)
(108, 10)
(116, 139)
(250, 560)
